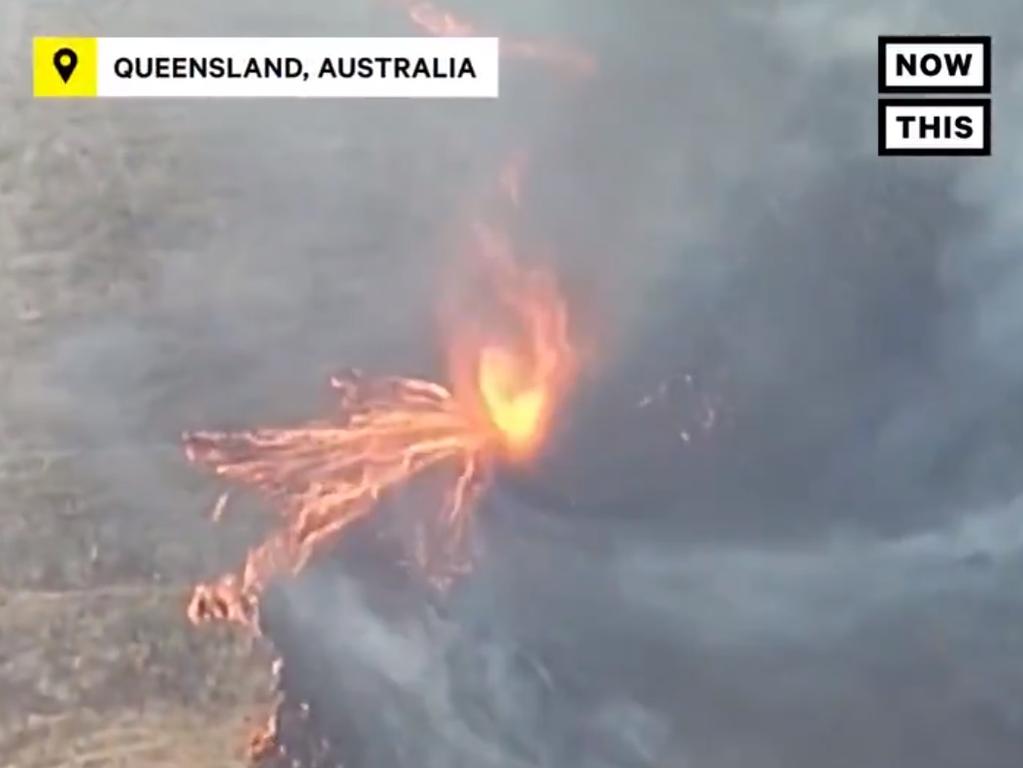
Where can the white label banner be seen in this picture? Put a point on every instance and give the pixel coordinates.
(925, 126)
(936, 66)
(303, 67)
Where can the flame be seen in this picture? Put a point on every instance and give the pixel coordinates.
(511, 363)
(514, 367)
(435, 20)
(515, 403)
(325, 475)
(511, 370)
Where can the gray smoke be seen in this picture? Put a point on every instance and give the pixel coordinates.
(829, 577)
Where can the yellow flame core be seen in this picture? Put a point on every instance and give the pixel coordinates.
(515, 405)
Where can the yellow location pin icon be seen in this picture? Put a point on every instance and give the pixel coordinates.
(65, 61)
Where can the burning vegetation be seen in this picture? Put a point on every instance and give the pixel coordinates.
(509, 372)
(510, 364)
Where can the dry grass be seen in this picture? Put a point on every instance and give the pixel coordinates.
(113, 676)
(97, 664)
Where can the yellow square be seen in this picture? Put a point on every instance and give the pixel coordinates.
(54, 77)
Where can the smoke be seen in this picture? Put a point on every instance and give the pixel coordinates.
(826, 577)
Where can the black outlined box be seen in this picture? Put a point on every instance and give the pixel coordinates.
(934, 64)
(935, 127)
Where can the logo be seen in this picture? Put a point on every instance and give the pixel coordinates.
(934, 64)
(934, 126)
(931, 64)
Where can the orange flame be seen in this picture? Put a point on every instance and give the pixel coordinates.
(514, 366)
(511, 364)
(327, 474)
(434, 20)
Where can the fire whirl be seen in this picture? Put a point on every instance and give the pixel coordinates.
(510, 369)
(509, 374)
(511, 362)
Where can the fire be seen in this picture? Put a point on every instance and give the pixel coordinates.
(327, 474)
(514, 366)
(437, 21)
(511, 362)
(515, 403)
